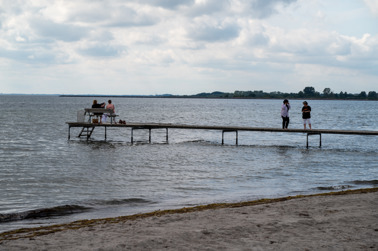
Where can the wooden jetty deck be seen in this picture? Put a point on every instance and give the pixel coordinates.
(87, 129)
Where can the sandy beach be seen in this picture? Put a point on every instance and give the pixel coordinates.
(337, 221)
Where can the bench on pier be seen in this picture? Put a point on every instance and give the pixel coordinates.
(92, 112)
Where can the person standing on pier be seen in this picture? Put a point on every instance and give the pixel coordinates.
(306, 115)
(285, 114)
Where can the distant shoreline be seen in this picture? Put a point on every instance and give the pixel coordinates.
(199, 97)
(169, 96)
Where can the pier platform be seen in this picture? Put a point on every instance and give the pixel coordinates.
(88, 128)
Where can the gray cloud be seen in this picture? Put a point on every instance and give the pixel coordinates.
(29, 56)
(254, 35)
(102, 50)
(259, 39)
(126, 17)
(112, 15)
(63, 32)
(214, 33)
(264, 8)
(12, 6)
(255, 8)
(209, 7)
(340, 47)
(94, 13)
(168, 4)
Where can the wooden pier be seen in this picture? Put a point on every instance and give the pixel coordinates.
(88, 128)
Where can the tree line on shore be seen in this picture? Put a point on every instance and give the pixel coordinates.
(308, 92)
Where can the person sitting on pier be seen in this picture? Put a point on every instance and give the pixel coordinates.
(97, 105)
(108, 106)
(306, 114)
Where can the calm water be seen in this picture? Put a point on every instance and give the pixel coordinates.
(47, 179)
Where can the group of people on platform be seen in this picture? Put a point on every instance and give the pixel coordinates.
(306, 114)
(104, 116)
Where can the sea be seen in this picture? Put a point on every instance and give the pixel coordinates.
(46, 178)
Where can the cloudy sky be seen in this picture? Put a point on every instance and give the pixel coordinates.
(187, 46)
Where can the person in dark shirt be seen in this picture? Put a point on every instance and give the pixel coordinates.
(306, 115)
(96, 105)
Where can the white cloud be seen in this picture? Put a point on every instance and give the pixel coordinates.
(373, 6)
(184, 47)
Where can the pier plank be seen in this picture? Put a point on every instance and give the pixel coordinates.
(224, 128)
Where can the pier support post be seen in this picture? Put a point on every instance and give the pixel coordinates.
(166, 135)
(237, 136)
(132, 135)
(314, 133)
(140, 128)
(320, 140)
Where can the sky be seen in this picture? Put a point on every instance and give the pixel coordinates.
(183, 47)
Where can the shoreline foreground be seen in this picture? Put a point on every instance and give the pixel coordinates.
(346, 220)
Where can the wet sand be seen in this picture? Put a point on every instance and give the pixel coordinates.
(336, 221)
